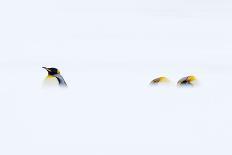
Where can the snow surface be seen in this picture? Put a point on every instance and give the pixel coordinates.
(108, 52)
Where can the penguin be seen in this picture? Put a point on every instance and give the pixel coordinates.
(187, 81)
(159, 80)
(54, 78)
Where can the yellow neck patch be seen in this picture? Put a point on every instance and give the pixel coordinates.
(50, 76)
(163, 79)
(191, 78)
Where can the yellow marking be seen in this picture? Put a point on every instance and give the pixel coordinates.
(163, 79)
(50, 81)
(191, 78)
(49, 76)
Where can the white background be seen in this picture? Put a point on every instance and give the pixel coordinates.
(108, 52)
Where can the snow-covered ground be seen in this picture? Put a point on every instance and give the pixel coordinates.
(108, 52)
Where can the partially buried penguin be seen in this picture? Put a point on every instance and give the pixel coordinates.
(187, 81)
(54, 78)
(160, 80)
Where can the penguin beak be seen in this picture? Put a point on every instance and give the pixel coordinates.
(46, 69)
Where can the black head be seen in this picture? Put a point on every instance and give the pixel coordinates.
(52, 71)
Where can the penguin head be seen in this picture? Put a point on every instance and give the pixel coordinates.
(187, 81)
(160, 80)
(52, 71)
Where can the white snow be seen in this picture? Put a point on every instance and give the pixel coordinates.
(108, 52)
